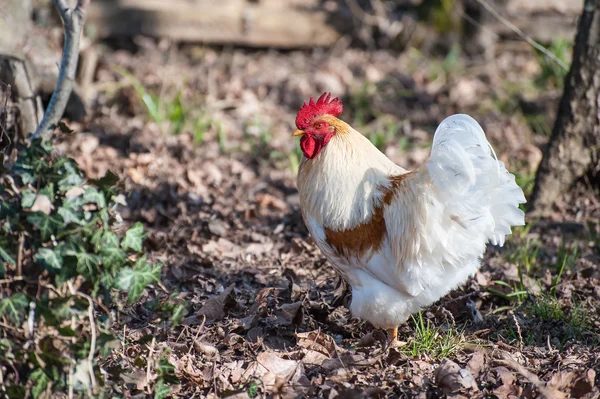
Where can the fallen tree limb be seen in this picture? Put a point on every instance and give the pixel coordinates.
(73, 21)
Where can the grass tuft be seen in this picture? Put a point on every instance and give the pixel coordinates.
(432, 341)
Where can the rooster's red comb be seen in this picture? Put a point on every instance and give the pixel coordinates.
(324, 105)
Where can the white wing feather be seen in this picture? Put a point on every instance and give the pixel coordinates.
(438, 225)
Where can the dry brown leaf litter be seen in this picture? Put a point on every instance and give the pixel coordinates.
(266, 315)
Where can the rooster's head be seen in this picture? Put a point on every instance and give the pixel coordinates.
(317, 123)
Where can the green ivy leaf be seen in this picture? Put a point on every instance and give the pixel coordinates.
(161, 390)
(16, 391)
(40, 382)
(164, 367)
(74, 202)
(113, 257)
(134, 280)
(110, 240)
(48, 191)
(67, 168)
(96, 240)
(92, 195)
(134, 237)
(107, 343)
(178, 314)
(71, 215)
(107, 181)
(24, 170)
(6, 227)
(64, 128)
(46, 224)
(87, 264)
(5, 256)
(27, 198)
(5, 345)
(49, 258)
(61, 309)
(67, 332)
(14, 307)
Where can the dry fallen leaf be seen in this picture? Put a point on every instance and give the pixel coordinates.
(290, 313)
(187, 366)
(145, 158)
(314, 357)
(259, 248)
(218, 227)
(450, 377)
(209, 350)
(42, 204)
(561, 380)
(348, 360)
(318, 341)
(584, 385)
(270, 367)
(222, 247)
(214, 308)
(477, 363)
(74, 191)
(264, 200)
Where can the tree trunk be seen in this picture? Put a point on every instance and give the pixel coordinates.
(574, 148)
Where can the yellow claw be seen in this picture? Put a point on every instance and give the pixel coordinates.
(393, 338)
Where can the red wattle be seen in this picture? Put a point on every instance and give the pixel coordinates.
(309, 146)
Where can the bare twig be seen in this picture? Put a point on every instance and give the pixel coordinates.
(9, 327)
(92, 332)
(522, 35)
(150, 361)
(31, 319)
(518, 329)
(4, 114)
(198, 333)
(20, 255)
(11, 280)
(73, 21)
(71, 382)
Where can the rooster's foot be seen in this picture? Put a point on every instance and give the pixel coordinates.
(393, 338)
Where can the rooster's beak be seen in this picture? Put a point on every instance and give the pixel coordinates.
(298, 133)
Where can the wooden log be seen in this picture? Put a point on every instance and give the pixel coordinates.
(264, 23)
(541, 20)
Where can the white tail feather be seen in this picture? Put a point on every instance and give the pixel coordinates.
(475, 187)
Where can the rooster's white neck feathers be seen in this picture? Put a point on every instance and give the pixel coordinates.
(344, 180)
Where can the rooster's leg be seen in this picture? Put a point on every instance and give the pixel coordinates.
(393, 337)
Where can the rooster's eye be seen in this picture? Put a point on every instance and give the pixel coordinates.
(318, 125)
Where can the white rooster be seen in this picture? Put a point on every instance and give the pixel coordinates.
(402, 239)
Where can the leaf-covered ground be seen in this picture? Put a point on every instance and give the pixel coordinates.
(201, 139)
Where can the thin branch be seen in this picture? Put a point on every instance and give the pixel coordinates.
(92, 331)
(73, 21)
(4, 115)
(522, 35)
(150, 362)
(20, 255)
